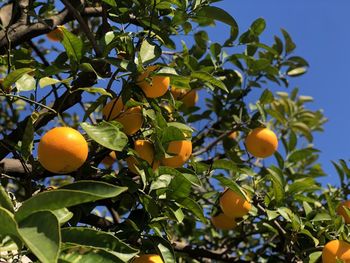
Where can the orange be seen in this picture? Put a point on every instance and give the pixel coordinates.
(62, 150)
(55, 35)
(154, 86)
(341, 211)
(261, 142)
(336, 249)
(109, 159)
(146, 152)
(181, 150)
(233, 135)
(148, 258)
(188, 97)
(233, 205)
(222, 221)
(130, 118)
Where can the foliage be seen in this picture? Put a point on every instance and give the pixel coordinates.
(108, 214)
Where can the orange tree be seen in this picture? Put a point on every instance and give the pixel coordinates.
(141, 171)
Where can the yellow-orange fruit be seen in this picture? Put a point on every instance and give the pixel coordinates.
(233, 135)
(109, 160)
(55, 35)
(341, 211)
(336, 249)
(189, 98)
(146, 152)
(153, 86)
(261, 142)
(224, 222)
(181, 151)
(130, 118)
(233, 205)
(148, 258)
(62, 150)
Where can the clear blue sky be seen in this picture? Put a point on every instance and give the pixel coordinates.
(320, 29)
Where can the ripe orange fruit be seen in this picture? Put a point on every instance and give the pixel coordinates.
(261, 142)
(146, 152)
(233, 135)
(181, 150)
(109, 160)
(222, 221)
(341, 211)
(130, 118)
(336, 249)
(188, 97)
(148, 258)
(155, 86)
(233, 205)
(62, 150)
(55, 35)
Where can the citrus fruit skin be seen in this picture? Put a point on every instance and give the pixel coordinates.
(189, 98)
(223, 222)
(341, 211)
(62, 150)
(148, 258)
(146, 152)
(109, 160)
(55, 35)
(233, 205)
(261, 142)
(155, 86)
(181, 150)
(336, 249)
(130, 118)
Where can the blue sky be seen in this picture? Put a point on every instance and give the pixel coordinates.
(321, 32)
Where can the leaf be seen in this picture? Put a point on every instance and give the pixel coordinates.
(63, 215)
(110, 2)
(8, 224)
(266, 97)
(179, 188)
(322, 217)
(258, 26)
(98, 239)
(290, 46)
(15, 75)
(307, 233)
(25, 83)
(194, 207)
(149, 51)
(40, 232)
(108, 134)
(231, 184)
(218, 14)
(28, 137)
(276, 177)
(5, 200)
(47, 81)
(224, 164)
(68, 195)
(93, 90)
(165, 249)
(296, 71)
(206, 77)
(170, 134)
(314, 257)
(72, 44)
(299, 155)
(303, 185)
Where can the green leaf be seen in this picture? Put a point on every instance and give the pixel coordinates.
(224, 164)
(108, 134)
(194, 207)
(303, 185)
(47, 81)
(68, 195)
(296, 71)
(8, 224)
(98, 239)
(314, 257)
(93, 90)
(218, 14)
(289, 44)
(149, 51)
(179, 187)
(40, 232)
(72, 253)
(266, 97)
(28, 137)
(322, 217)
(5, 200)
(15, 75)
(63, 215)
(258, 26)
(231, 184)
(110, 2)
(165, 249)
(72, 44)
(170, 134)
(299, 155)
(308, 233)
(25, 83)
(276, 177)
(207, 78)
